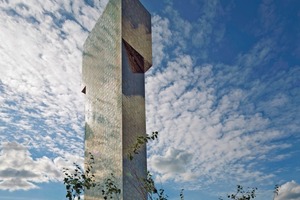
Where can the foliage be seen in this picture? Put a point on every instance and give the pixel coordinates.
(110, 190)
(140, 141)
(80, 179)
(276, 190)
(152, 192)
(181, 195)
(148, 183)
(241, 194)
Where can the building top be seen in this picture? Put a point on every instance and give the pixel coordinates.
(136, 31)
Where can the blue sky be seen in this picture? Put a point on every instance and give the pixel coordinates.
(223, 93)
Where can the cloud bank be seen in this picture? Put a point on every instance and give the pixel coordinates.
(289, 191)
(40, 84)
(18, 170)
(230, 119)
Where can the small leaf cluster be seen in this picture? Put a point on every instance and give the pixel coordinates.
(141, 140)
(181, 195)
(152, 191)
(110, 189)
(276, 190)
(241, 194)
(79, 180)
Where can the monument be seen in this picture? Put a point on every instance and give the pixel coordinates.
(116, 55)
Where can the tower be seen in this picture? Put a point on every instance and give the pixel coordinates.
(116, 55)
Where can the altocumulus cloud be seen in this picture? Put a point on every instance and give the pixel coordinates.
(218, 122)
(40, 83)
(189, 115)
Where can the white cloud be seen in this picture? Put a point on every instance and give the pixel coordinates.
(161, 37)
(19, 171)
(17, 184)
(173, 164)
(40, 50)
(217, 112)
(184, 27)
(41, 101)
(289, 191)
(198, 35)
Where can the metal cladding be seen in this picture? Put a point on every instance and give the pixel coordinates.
(136, 30)
(116, 54)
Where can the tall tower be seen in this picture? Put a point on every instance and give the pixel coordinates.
(116, 55)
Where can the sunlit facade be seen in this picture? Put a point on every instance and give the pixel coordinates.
(116, 55)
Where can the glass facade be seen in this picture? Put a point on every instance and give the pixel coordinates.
(116, 55)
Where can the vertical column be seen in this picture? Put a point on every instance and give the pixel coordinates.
(116, 55)
(136, 60)
(102, 76)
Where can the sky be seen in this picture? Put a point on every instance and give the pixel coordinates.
(223, 93)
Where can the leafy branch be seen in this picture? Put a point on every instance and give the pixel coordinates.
(140, 141)
(80, 179)
(241, 194)
(110, 189)
(181, 195)
(276, 190)
(151, 189)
